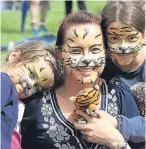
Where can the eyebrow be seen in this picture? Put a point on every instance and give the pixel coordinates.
(113, 33)
(74, 46)
(97, 35)
(125, 27)
(70, 39)
(35, 71)
(45, 79)
(113, 28)
(95, 45)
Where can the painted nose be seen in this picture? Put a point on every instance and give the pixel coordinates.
(87, 61)
(29, 85)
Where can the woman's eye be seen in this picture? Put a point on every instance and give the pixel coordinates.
(95, 50)
(76, 51)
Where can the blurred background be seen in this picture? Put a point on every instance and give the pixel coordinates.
(17, 22)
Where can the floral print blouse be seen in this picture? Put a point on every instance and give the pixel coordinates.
(45, 127)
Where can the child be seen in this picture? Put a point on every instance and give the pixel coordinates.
(33, 67)
(123, 25)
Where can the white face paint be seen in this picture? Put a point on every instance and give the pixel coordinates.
(125, 49)
(124, 42)
(83, 52)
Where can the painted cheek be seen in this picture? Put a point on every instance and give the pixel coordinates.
(72, 61)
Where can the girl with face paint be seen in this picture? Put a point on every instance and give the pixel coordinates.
(33, 67)
(80, 47)
(123, 25)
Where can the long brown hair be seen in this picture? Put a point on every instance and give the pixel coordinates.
(130, 13)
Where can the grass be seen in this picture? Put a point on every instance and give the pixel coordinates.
(10, 21)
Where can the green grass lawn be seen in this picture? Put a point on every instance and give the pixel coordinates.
(10, 21)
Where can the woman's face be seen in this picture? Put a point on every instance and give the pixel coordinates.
(31, 77)
(124, 42)
(83, 53)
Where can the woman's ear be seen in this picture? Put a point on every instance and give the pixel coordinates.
(13, 56)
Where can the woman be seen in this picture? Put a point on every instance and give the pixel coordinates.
(48, 121)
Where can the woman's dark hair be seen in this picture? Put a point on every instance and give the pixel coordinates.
(33, 51)
(80, 17)
(130, 13)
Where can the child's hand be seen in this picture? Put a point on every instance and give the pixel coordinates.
(104, 115)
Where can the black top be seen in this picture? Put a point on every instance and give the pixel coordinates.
(45, 127)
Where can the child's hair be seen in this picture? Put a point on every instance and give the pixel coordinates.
(33, 51)
(139, 91)
(77, 18)
(130, 13)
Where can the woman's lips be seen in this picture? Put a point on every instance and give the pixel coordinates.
(86, 71)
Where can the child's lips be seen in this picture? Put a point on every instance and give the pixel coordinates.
(124, 56)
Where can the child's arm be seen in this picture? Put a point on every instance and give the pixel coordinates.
(131, 124)
(133, 129)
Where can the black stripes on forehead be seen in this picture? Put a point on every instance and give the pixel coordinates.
(97, 36)
(41, 69)
(75, 33)
(124, 29)
(113, 33)
(86, 32)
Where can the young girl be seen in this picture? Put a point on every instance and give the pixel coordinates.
(123, 25)
(33, 67)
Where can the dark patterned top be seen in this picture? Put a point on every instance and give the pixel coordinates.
(45, 127)
(130, 80)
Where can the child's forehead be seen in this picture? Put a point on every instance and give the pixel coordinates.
(40, 62)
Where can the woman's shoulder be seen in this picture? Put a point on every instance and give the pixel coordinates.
(34, 103)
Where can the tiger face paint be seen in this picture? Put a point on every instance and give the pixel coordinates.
(83, 53)
(32, 77)
(124, 42)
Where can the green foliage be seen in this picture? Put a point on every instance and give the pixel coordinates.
(10, 20)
